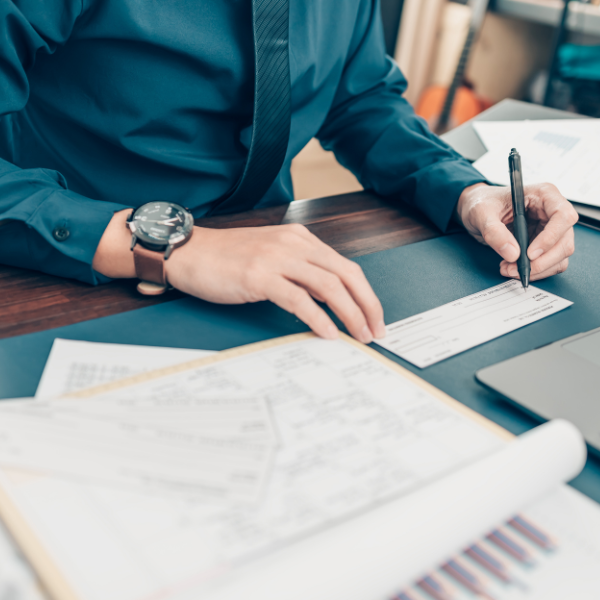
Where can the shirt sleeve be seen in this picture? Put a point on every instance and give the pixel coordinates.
(375, 133)
(43, 225)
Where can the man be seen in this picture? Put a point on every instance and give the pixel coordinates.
(110, 104)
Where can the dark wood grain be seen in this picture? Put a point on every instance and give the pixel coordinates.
(353, 224)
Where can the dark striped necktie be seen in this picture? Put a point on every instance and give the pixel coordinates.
(272, 107)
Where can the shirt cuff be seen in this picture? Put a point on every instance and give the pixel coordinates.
(438, 190)
(69, 228)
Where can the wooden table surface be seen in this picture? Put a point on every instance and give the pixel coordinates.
(353, 224)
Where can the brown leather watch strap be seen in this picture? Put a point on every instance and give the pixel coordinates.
(149, 265)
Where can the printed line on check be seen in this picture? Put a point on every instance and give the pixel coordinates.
(442, 332)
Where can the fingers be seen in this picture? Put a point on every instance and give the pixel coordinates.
(296, 300)
(329, 287)
(500, 239)
(554, 270)
(353, 278)
(290, 264)
(561, 267)
(356, 282)
(359, 289)
(484, 217)
(562, 249)
(561, 218)
(550, 263)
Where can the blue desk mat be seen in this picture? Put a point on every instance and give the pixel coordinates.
(408, 280)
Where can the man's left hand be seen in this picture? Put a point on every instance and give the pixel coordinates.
(486, 213)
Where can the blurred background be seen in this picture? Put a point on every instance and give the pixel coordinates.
(461, 57)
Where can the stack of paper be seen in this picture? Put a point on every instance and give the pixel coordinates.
(215, 449)
(205, 441)
(75, 365)
(17, 580)
(563, 152)
(378, 477)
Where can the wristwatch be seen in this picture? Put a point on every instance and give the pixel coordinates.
(157, 228)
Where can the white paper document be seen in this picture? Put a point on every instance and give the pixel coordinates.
(569, 570)
(152, 433)
(201, 443)
(391, 545)
(437, 334)
(60, 438)
(74, 365)
(354, 434)
(17, 580)
(563, 152)
(149, 547)
(376, 479)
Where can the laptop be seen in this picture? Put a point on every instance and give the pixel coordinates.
(561, 379)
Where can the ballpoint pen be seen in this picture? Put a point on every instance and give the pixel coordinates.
(520, 222)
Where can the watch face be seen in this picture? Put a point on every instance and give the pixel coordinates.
(162, 223)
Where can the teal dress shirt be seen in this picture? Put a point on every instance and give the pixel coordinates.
(109, 104)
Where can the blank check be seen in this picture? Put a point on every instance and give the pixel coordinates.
(437, 334)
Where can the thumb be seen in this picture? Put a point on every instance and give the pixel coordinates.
(499, 238)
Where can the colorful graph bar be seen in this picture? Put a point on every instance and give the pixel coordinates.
(434, 588)
(468, 575)
(510, 546)
(489, 563)
(466, 578)
(532, 533)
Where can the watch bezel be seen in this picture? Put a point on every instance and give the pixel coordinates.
(152, 242)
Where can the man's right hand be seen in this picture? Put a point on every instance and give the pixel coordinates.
(285, 264)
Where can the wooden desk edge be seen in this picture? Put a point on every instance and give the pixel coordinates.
(353, 224)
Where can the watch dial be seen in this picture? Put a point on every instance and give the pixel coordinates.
(162, 223)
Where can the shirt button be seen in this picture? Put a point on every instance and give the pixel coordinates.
(61, 234)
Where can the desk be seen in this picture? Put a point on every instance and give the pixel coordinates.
(353, 224)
